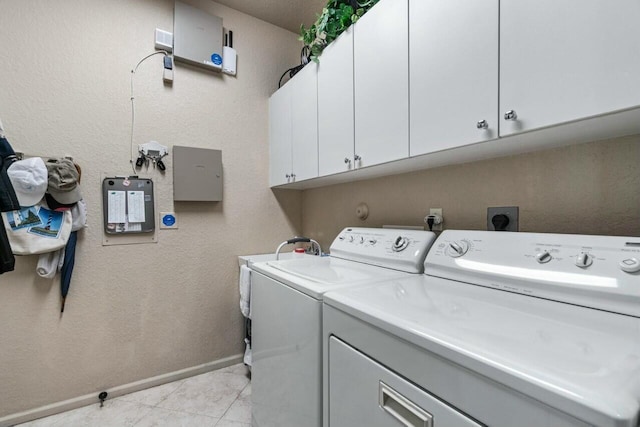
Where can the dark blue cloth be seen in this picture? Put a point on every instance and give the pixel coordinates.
(7, 260)
(8, 199)
(5, 148)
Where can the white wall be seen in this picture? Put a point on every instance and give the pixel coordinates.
(582, 189)
(134, 311)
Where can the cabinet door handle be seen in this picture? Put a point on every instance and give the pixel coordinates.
(293, 176)
(402, 409)
(357, 158)
(347, 160)
(287, 176)
(482, 124)
(510, 115)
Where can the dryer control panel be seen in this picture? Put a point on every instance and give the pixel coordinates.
(600, 272)
(398, 249)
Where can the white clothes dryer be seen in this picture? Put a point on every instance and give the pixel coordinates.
(504, 329)
(287, 316)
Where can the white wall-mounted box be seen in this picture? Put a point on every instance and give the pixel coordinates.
(197, 37)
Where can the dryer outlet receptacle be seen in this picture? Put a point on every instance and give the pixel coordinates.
(503, 218)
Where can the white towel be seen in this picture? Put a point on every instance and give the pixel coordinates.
(247, 353)
(49, 263)
(245, 291)
(79, 216)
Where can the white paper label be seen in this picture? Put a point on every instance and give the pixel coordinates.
(117, 207)
(135, 201)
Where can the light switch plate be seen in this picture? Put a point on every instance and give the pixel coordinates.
(168, 220)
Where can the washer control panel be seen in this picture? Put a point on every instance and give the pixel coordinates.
(399, 249)
(595, 271)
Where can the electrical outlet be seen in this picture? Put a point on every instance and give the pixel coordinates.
(437, 211)
(502, 219)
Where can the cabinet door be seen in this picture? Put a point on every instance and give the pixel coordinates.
(304, 123)
(566, 60)
(381, 83)
(453, 76)
(280, 136)
(335, 106)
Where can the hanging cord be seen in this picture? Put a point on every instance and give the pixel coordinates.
(305, 54)
(133, 110)
(304, 60)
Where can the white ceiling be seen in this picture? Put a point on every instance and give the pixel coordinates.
(287, 14)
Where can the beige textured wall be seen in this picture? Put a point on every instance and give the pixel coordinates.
(590, 188)
(140, 310)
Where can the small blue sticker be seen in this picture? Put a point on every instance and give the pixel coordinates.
(168, 220)
(216, 59)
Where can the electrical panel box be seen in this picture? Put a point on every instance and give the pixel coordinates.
(197, 37)
(197, 174)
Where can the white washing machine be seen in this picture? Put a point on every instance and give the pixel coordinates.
(504, 329)
(287, 316)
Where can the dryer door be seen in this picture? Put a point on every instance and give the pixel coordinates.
(363, 392)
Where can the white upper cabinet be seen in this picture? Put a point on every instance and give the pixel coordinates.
(566, 60)
(304, 123)
(293, 129)
(280, 136)
(381, 79)
(335, 106)
(453, 75)
(424, 83)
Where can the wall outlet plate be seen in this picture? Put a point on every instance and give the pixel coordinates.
(168, 220)
(511, 212)
(436, 211)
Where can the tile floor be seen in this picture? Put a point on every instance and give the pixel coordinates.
(220, 398)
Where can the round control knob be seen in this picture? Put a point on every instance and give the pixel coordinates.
(400, 244)
(457, 249)
(341, 237)
(372, 241)
(361, 239)
(584, 260)
(351, 238)
(630, 265)
(544, 257)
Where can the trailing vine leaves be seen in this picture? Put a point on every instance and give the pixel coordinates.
(336, 17)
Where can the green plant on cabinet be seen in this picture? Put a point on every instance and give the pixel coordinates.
(336, 16)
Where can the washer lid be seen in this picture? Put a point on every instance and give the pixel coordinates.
(316, 275)
(582, 361)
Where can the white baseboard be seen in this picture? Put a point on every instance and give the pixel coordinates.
(88, 399)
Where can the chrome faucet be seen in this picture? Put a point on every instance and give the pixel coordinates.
(299, 240)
